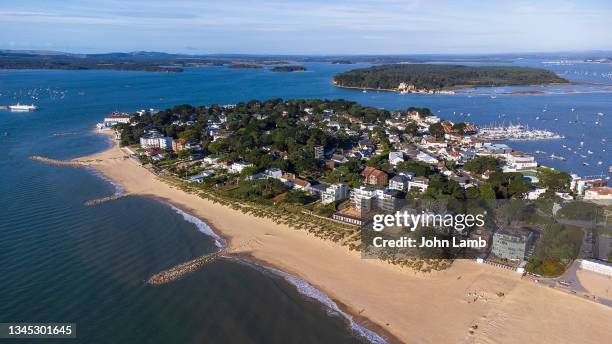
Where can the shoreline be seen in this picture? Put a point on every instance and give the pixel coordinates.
(381, 297)
(511, 93)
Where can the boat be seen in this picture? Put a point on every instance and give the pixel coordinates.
(585, 163)
(23, 107)
(557, 157)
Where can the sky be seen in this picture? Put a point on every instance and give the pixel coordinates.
(307, 26)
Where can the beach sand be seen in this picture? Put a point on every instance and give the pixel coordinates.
(597, 284)
(413, 308)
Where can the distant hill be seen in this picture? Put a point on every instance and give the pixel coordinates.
(441, 76)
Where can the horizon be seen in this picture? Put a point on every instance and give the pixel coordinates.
(443, 54)
(388, 27)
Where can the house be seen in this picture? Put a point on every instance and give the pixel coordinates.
(318, 189)
(426, 158)
(273, 173)
(238, 166)
(198, 178)
(419, 183)
(335, 192)
(291, 181)
(399, 182)
(535, 193)
(395, 158)
(178, 145)
(599, 193)
(373, 176)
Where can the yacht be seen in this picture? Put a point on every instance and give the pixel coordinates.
(23, 107)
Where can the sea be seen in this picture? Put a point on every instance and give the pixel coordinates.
(63, 262)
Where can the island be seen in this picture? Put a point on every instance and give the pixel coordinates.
(289, 69)
(432, 78)
(244, 65)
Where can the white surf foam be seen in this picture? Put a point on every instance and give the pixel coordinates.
(201, 225)
(119, 190)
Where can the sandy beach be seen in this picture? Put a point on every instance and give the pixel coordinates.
(468, 303)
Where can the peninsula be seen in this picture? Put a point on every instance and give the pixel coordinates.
(430, 78)
(250, 171)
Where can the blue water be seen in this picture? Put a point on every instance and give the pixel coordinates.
(61, 261)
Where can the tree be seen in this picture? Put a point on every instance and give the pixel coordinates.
(482, 164)
(436, 130)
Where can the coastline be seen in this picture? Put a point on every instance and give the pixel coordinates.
(410, 307)
(462, 87)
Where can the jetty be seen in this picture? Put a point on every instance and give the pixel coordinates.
(104, 199)
(178, 271)
(55, 161)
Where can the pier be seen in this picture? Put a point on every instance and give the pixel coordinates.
(104, 200)
(178, 271)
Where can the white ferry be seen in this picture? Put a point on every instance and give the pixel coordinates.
(23, 107)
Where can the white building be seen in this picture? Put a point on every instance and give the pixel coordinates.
(426, 158)
(581, 184)
(535, 194)
(116, 118)
(335, 192)
(395, 158)
(420, 183)
(519, 162)
(238, 166)
(363, 198)
(155, 140)
(273, 173)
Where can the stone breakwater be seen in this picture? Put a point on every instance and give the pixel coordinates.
(178, 271)
(104, 199)
(56, 162)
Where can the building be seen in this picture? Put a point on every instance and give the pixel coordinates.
(335, 192)
(581, 184)
(319, 152)
(511, 246)
(198, 178)
(350, 216)
(178, 145)
(238, 166)
(426, 158)
(373, 176)
(292, 181)
(599, 193)
(116, 118)
(419, 183)
(362, 198)
(386, 200)
(395, 158)
(520, 162)
(273, 173)
(399, 182)
(155, 140)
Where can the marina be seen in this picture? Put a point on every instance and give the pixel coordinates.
(517, 132)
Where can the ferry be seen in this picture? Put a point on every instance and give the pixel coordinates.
(23, 107)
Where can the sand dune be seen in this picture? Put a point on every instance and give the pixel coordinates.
(459, 305)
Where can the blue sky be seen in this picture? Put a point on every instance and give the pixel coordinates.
(307, 26)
